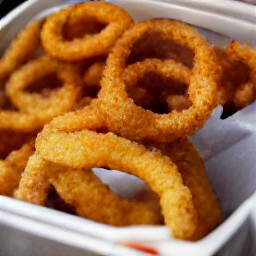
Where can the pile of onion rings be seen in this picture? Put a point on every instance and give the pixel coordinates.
(118, 95)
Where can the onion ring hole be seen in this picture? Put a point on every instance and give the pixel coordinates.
(140, 192)
(78, 28)
(44, 85)
(147, 47)
(152, 91)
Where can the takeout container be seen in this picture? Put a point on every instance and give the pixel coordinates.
(227, 146)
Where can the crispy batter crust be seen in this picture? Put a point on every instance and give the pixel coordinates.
(87, 149)
(81, 189)
(126, 119)
(20, 50)
(117, 21)
(245, 93)
(191, 167)
(12, 167)
(34, 109)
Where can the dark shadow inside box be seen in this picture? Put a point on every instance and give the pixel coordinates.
(7, 5)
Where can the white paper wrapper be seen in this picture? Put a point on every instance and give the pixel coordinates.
(227, 146)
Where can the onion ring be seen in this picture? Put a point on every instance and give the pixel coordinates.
(75, 27)
(20, 50)
(91, 79)
(12, 167)
(152, 45)
(178, 102)
(232, 81)
(126, 119)
(88, 149)
(246, 93)
(80, 188)
(117, 21)
(34, 110)
(93, 74)
(191, 167)
(21, 122)
(59, 101)
(71, 144)
(170, 70)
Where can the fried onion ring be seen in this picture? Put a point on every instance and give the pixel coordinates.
(12, 167)
(126, 119)
(58, 101)
(93, 74)
(34, 109)
(20, 50)
(91, 79)
(75, 26)
(191, 167)
(21, 122)
(178, 102)
(246, 93)
(173, 96)
(88, 149)
(91, 45)
(83, 191)
(232, 80)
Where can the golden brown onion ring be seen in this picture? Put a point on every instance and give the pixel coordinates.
(245, 93)
(233, 81)
(168, 68)
(21, 122)
(34, 109)
(83, 191)
(178, 102)
(116, 19)
(174, 98)
(191, 167)
(12, 167)
(93, 74)
(20, 50)
(91, 86)
(87, 149)
(126, 119)
(58, 101)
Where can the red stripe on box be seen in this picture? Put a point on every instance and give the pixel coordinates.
(140, 247)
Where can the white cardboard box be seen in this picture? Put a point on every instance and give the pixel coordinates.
(227, 146)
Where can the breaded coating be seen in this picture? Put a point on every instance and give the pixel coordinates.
(126, 119)
(116, 19)
(191, 167)
(85, 192)
(87, 149)
(245, 93)
(20, 50)
(12, 167)
(34, 184)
